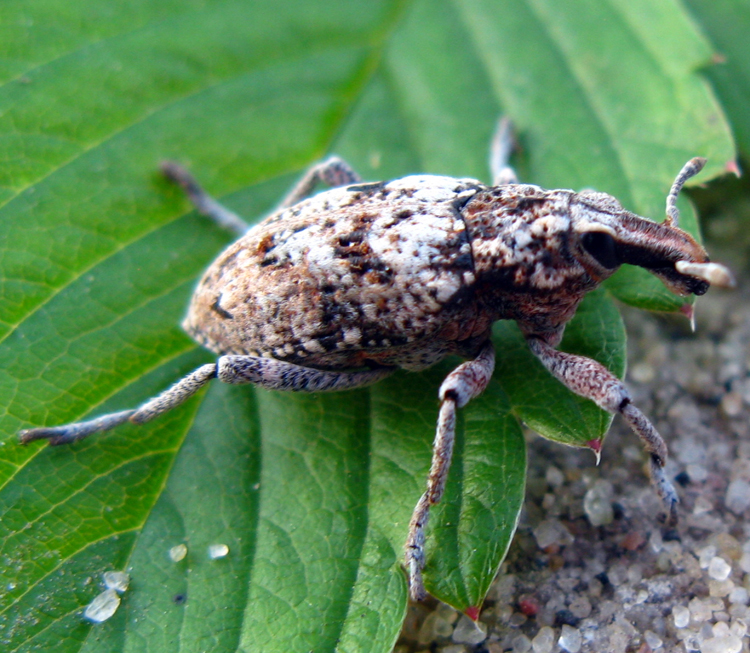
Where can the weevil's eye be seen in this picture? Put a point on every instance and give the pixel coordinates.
(602, 247)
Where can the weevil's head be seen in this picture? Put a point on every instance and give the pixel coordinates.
(607, 236)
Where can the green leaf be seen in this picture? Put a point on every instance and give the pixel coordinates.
(312, 495)
(725, 23)
(541, 401)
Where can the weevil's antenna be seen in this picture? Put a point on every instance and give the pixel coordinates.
(690, 169)
(500, 150)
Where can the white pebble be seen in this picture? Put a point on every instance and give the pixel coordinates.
(570, 639)
(720, 629)
(521, 644)
(177, 552)
(552, 531)
(720, 588)
(580, 607)
(468, 631)
(705, 555)
(103, 606)
(653, 640)
(681, 616)
(739, 595)
(697, 473)
(217, 551)
(699, 610)
(597, 503)
(116, 580)
(719, 569)
(737, 498)
(554, 476)
(728, 644)
(544, 640)
(738, 628)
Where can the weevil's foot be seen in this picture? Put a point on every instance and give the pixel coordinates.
(665, 490)
(70, 433)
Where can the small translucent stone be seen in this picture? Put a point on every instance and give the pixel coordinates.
(570, 639)
(737, 498)
(517, 619)
(217, 551)
(469, 632)
(552, 531)
(720, 629)
(739, 611)
(554, 476)
(580, 607)
(103, 606)
(728, 644)
(453, 648)
(652, 639)
(544, 640)
(597, 503)
(699, 610)
(521, 644)
(116, 580)
(178, 552)
(697, 473)
(689, 640)
(738, 628)
(745, 562)
(681, 616)
(434, 627)
(705, 555)
(739, 595)
(719, 569)
(720, 588)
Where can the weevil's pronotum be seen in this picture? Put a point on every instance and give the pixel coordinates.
(338, 290)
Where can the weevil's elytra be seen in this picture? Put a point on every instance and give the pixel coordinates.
(338, 290)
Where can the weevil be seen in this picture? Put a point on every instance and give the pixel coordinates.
(338, 290)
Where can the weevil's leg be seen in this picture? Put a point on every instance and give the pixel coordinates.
(265, 372)
(273, 374)
(463, 384)
(202, 201)
(174, 396)
(592, 380)
(500, 149)
(332, 172)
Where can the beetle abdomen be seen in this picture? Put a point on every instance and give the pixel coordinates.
(340, 277)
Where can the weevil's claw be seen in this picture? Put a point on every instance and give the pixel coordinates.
(715, 274)
(69, 433)
(665, 490)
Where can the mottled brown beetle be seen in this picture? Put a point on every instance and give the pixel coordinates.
(338, 290)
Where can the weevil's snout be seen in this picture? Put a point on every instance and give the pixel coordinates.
(673, 256)
(610, 236)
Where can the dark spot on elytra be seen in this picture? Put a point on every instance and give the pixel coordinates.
(219, 310)
(354, 237)
(463, 261)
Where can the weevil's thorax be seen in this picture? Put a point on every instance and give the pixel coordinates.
(527, 255)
